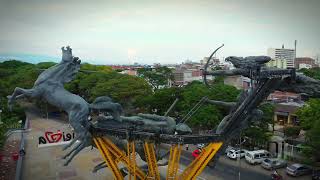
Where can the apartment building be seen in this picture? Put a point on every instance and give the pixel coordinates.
(283, 54)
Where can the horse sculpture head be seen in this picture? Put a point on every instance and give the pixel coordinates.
(62, 72)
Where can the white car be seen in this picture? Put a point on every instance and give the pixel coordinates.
(228, 149)
(256, 157)
(235, 154)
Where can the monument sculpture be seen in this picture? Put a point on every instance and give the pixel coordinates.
(264, 80)
(50, 87)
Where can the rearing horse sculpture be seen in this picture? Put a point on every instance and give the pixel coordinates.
(49, 86)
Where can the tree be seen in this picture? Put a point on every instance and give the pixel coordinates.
(45, 65)
(207, 116)
(309, 116)
(313, 72)
(268, 112)
(125, 89)
(89, 81)
(313, 141)
(95, 68)
(258, 135)
(161, 100)
(258, 132)
(156, 77)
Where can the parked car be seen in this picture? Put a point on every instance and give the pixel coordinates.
(236, 153)
(273, 163)
(256, 157)
(228, 149)
(316, 174)
(298, 170)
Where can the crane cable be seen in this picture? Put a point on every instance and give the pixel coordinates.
(194, 109)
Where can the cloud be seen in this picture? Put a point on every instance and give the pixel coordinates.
(162, 31)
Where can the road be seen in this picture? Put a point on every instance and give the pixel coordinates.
(228, 169)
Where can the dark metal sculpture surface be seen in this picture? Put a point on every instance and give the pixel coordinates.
(264, 81)
(161, 129)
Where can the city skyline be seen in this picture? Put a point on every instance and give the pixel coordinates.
(112, 32)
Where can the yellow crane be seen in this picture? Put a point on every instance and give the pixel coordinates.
(114, 155)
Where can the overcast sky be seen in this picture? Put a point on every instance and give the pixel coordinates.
(119, 32)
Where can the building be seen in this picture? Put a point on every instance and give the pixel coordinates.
(304, 62)
(240, 82)
(280, 97)
(282, 53)
(215, 61)
(277, 63)
(185, 76)
(285, 113)
(130, 72)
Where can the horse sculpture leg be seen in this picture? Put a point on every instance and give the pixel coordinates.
(20, 93)
(99, 166)
(75, 152)
(78, 120)
(73, 149)
(71, 143)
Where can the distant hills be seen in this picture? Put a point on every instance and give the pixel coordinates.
(28, 58)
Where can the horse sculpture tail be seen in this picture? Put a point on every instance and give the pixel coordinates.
(105, 104)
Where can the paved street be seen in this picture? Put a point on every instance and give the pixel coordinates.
(46, 162)
(228, 169)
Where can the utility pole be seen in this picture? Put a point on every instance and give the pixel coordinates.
(239, 159)
(295, 52)
(0, 116)
(0, 112)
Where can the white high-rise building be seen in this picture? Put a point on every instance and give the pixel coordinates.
(283, 54)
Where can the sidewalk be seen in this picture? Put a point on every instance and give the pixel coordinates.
(47, 163)
(8, 163)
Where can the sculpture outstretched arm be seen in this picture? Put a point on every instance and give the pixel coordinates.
(227, 105)
(227, 72)
(302, 84)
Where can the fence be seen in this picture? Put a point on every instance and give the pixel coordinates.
(21, 152)
(293, 152)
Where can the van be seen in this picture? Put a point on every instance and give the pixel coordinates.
(256, 157)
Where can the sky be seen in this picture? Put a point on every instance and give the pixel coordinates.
(123, 32)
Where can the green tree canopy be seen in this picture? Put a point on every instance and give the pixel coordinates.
(207, 116)
(124, 89)
(313, 72)
(45, 65)
(268, 112)
(309, 116)
(156, 77)
(93, 68)
(12, 74)
(160, 100)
